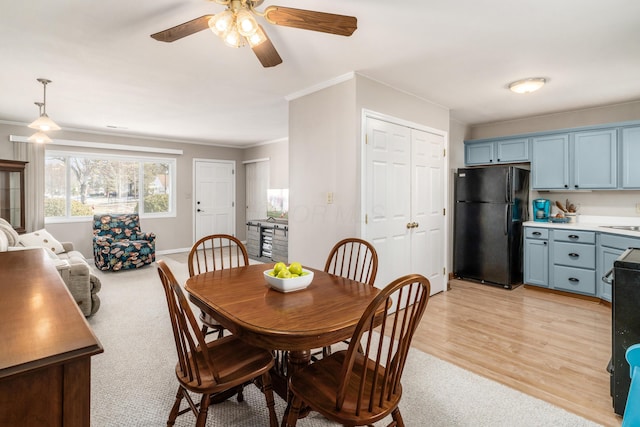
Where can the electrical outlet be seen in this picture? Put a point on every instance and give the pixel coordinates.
(329, 198)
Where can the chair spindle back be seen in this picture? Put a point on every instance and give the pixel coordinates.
(355, 259)
(186, 331)
(386, 351)
(216, 252)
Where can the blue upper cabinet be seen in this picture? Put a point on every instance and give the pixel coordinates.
(575, 161)
(630, 157)
(496, 152)
(480, 153)
(550, 162)
(595, 159)
(599, 157)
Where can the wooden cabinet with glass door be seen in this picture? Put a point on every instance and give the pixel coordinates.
(12, 193)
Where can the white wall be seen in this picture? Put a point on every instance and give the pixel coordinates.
(325, 156)
(278, 155)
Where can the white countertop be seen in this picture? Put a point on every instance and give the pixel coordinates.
(593, 223)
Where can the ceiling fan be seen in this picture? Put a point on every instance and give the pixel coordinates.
(237, 25)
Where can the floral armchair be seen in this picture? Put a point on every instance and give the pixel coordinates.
(118, 243)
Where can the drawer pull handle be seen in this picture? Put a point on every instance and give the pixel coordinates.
(574, 255)
(537, 233)
(573, 236)
(574, 280)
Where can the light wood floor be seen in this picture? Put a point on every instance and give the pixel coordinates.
(550, 346)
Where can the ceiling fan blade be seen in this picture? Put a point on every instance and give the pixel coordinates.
(267, 53)
(311, 20)
(183, 30)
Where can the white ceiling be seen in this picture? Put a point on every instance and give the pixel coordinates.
(461, 54)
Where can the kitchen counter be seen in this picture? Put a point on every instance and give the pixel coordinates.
(594, 223)
(577, 257)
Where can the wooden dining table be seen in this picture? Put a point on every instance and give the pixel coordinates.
(324, 313)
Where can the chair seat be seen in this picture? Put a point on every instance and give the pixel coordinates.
(320, 380)
(224, 355)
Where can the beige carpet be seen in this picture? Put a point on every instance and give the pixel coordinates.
(133, 382)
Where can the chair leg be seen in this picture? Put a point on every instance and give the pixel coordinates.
(204, 408)
(240, 395)
(294, 412)
(267, 390)
(397, 417)
(326, 351)
(176, 408)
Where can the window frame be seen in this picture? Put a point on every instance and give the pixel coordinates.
(141, 160)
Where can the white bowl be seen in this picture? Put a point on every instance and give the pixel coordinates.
(291, 284)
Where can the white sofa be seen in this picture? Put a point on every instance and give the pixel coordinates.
(73, 268)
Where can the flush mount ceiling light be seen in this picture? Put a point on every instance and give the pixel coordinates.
(527, 85)
(44, 123)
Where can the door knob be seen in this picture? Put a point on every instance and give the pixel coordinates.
(416, 225)
(409, 225)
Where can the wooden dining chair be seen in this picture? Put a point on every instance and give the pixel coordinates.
(354, 259)
(210, 368)
(211, 253)
(357, 388)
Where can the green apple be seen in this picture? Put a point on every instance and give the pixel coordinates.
(279, 267)
(295, 268)
(283, 274)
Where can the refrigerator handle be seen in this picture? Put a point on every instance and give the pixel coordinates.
(507, 188)
(506, 219)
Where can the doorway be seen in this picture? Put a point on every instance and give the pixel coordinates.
(257, 184)
(214, 197)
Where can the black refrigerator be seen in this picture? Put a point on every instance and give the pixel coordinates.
(491, 204)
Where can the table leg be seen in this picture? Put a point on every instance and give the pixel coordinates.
(297, 361)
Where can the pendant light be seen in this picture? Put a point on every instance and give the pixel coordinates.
(40, 137)
(44, 123)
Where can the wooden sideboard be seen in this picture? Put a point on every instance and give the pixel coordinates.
(47, 344)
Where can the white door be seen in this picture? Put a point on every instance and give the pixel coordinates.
(214, 200)
(257, 184)
(404, 200)
(388, 197)
(427, 201)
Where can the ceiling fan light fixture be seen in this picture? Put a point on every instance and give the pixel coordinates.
(257, 38)
(40, 137)
(221, 22)
(232, 38)
(527, 85)
(246, 24)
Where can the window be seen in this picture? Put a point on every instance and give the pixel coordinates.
(81, 185)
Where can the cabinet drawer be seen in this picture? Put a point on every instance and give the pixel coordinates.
(570, 254)
(574, 279)
(574, 236)
(536, 233)
(620, 242)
